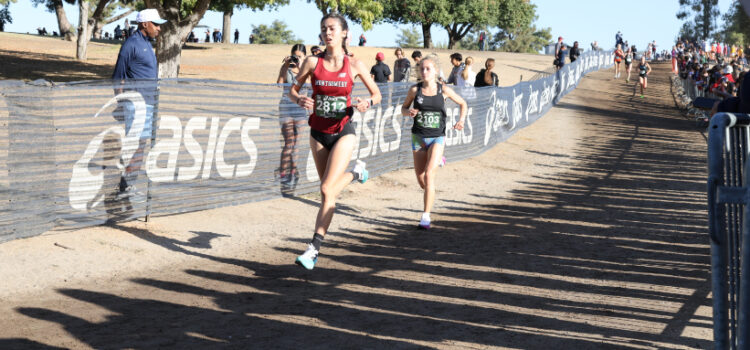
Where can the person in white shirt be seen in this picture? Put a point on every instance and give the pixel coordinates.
(467, 76)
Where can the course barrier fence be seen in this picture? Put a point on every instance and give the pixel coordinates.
(66, 149)
(728, 199)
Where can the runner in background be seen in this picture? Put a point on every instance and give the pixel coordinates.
(629, 62)
(619, 55)
(643, 71)
(332, 136)
(428, 132)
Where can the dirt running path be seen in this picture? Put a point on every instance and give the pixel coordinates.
(586, 230)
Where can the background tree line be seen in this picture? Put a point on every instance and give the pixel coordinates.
(510, 20)
(703, 21)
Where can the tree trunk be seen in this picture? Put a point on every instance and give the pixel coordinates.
(96, 28)
(62, 21)
(227, 29)
(457, 32)
(426, 35)
(83, 29)
(169, 49)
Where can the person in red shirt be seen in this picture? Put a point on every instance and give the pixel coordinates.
(332, 137)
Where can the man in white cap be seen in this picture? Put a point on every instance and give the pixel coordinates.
(137, 60)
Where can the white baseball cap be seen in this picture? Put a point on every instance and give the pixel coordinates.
(149, 15)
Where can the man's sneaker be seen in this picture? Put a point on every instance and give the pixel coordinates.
(308, 258)
(425, 221)
(127, 192)
(360, 173)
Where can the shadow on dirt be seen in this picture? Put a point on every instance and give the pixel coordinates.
(611, 251)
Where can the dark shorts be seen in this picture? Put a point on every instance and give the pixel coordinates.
(329, 140)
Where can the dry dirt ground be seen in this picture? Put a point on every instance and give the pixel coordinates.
(586, 230)
(30, 57)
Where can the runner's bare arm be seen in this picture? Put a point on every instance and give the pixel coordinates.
(282, 71)
(359, 69)
(449, 93)
(406, 107)
(308, 67)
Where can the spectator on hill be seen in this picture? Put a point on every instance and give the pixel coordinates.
(458, 67)
(208, 36)
(575, 52)
(482, 37)
(252, 38)
(594, 46)
(486, 77)
(380, 71)
(401, 67)
(236, 36)
(362, 39)
(561, 56)
(558, 45)
(618, 39)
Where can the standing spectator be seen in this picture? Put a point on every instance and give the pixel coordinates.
(481, 40)
(126, 30)
(118, 32)
(362, 39)
(416, 55)
(574, 52)
(291, 119)
(252, 38)
(380, 71)
(137, 60)
(486, 77)
(401, 67)
(618, 39)
(315, 50)
(594, 46)
(467, 76)
(561, 56)
(558, 45)
(219, 36)
(208, 36)
(653, 49)
(458, 67)
(236, 36)
(191, 37)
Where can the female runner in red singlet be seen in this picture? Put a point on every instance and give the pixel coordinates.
(332, 137)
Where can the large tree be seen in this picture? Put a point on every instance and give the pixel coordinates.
(424, 13)
(56, 6)
(182, 16)
(527, 39)
(463, 16)
(95, 20)
(459, 17)
(5, 18)
(703, 20)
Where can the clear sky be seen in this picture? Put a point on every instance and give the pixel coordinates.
(640, 21)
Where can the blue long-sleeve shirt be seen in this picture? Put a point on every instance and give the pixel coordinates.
(136, 59)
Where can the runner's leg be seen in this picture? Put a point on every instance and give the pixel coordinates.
(333, 178)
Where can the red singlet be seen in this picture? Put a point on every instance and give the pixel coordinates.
(332, 94)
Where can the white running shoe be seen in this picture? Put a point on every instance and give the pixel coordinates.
(308, 258)
(425, 221)
(360, 172)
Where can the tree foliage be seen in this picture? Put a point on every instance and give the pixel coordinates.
(459, 18)
(5, 18)
(527, 39)
(736, 25)
(364, 12)
(702, 25)
(227, 7)
(409, 38)
(276, 33)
